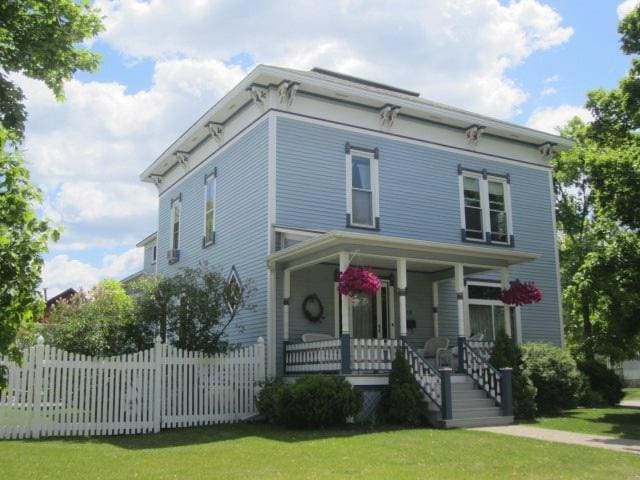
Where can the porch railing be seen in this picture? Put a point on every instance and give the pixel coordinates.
(428, 377)
(475, 362)
(373, 354)
(321, 356)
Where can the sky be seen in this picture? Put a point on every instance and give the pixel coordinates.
(165, 62)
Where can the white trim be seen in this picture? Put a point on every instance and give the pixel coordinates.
(286, 293)
(435, 304)
(556, 258)
(336, 309)
(423, 143)
(401, 272)
(460, 302)
(492, 303)
(346, 303)
(483, 213)
(518, 325)
(373, 180)
(214, 180)
(271, 219)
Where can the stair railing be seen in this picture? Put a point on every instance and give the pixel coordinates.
(435, 384)
(496, 383)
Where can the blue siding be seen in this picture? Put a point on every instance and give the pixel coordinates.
(419, 199)
(241, 225)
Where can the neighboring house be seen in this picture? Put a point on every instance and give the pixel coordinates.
(149, 244)
(51, 302)
(294, 174)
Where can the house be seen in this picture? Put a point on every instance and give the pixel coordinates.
(51, 302)
(294, 175)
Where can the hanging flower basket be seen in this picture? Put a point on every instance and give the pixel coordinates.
(520, 293)
(358, 281)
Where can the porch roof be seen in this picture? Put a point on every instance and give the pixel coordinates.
(381, 248)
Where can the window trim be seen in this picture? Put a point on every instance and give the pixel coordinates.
(516, 321)
(154, 254)
(233, 274)
(213, 177)
(372, 155)
(484, 179)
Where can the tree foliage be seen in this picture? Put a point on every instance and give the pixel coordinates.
(100, 322)
(42, 39)
(23, 239)
(597, 186)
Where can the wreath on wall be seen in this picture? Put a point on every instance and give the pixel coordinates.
(312, 308)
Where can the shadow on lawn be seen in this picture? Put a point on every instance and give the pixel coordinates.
(623, 422)
(221, 433)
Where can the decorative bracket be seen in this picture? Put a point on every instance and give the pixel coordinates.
(183, 159)
(388, 115)
(547, 149)
(473, 133)
(287, 92)
(257, 95)
(216, 130)
(156, 179)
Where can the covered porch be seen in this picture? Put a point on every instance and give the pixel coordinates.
(424, 295)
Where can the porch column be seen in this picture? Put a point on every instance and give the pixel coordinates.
(436, 304)
(285, 303)
(458, 270)
(401, 267)
(345, 351)
(504, 283)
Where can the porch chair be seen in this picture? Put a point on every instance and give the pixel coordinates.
(437, 349)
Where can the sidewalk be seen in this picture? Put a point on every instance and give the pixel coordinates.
(630, 403)
(598, 441)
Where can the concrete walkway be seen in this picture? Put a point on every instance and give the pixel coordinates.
(630, 403)
(599, 441)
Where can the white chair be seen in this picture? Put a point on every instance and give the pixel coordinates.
(437, 348)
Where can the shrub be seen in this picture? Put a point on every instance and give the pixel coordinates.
(506, 353)
(312, 401)
(602, 381)
(402, 402)
(554, 373)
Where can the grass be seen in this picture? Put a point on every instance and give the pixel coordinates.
(619, 422)
(632, 394)
(259, 451)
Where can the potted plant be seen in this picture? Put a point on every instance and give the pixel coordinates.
(358, 282)
(520, 293)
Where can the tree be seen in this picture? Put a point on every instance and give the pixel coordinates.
(23, 238)
(100, 323)
(42, 39)
(191, 310)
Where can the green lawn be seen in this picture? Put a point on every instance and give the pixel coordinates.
(621, 422)
(632, 394)
(259, 451)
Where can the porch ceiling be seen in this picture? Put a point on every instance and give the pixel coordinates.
(382, 251)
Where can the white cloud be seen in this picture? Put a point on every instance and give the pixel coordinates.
(553, 78)
(626, 7)
(548, 91)
(62, 271)
(455, 51)
(552, 119)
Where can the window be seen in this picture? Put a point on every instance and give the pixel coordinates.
(154, 254)
(486, 311)
(209, 210)
(485, 205)
(362, 188)
(175, 225)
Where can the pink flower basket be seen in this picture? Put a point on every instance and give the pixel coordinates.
(520, 293)
(357, 281)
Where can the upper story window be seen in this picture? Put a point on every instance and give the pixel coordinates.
(209, 210)
(154, 254)
(485, 207)
(362, 188)
(175, 225)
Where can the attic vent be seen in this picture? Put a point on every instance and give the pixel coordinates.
(363, 81)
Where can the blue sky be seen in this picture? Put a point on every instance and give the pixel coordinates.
(165, 62)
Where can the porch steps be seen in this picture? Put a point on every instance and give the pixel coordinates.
(470, 407)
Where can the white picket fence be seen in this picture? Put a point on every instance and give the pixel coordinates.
(57, 393)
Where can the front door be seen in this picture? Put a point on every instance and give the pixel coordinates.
(372, 317)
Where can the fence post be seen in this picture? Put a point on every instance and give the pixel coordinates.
(38, 373)
(447, 404)
(506, 393)
(262, 364)
(461, 341)
(157, 386)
